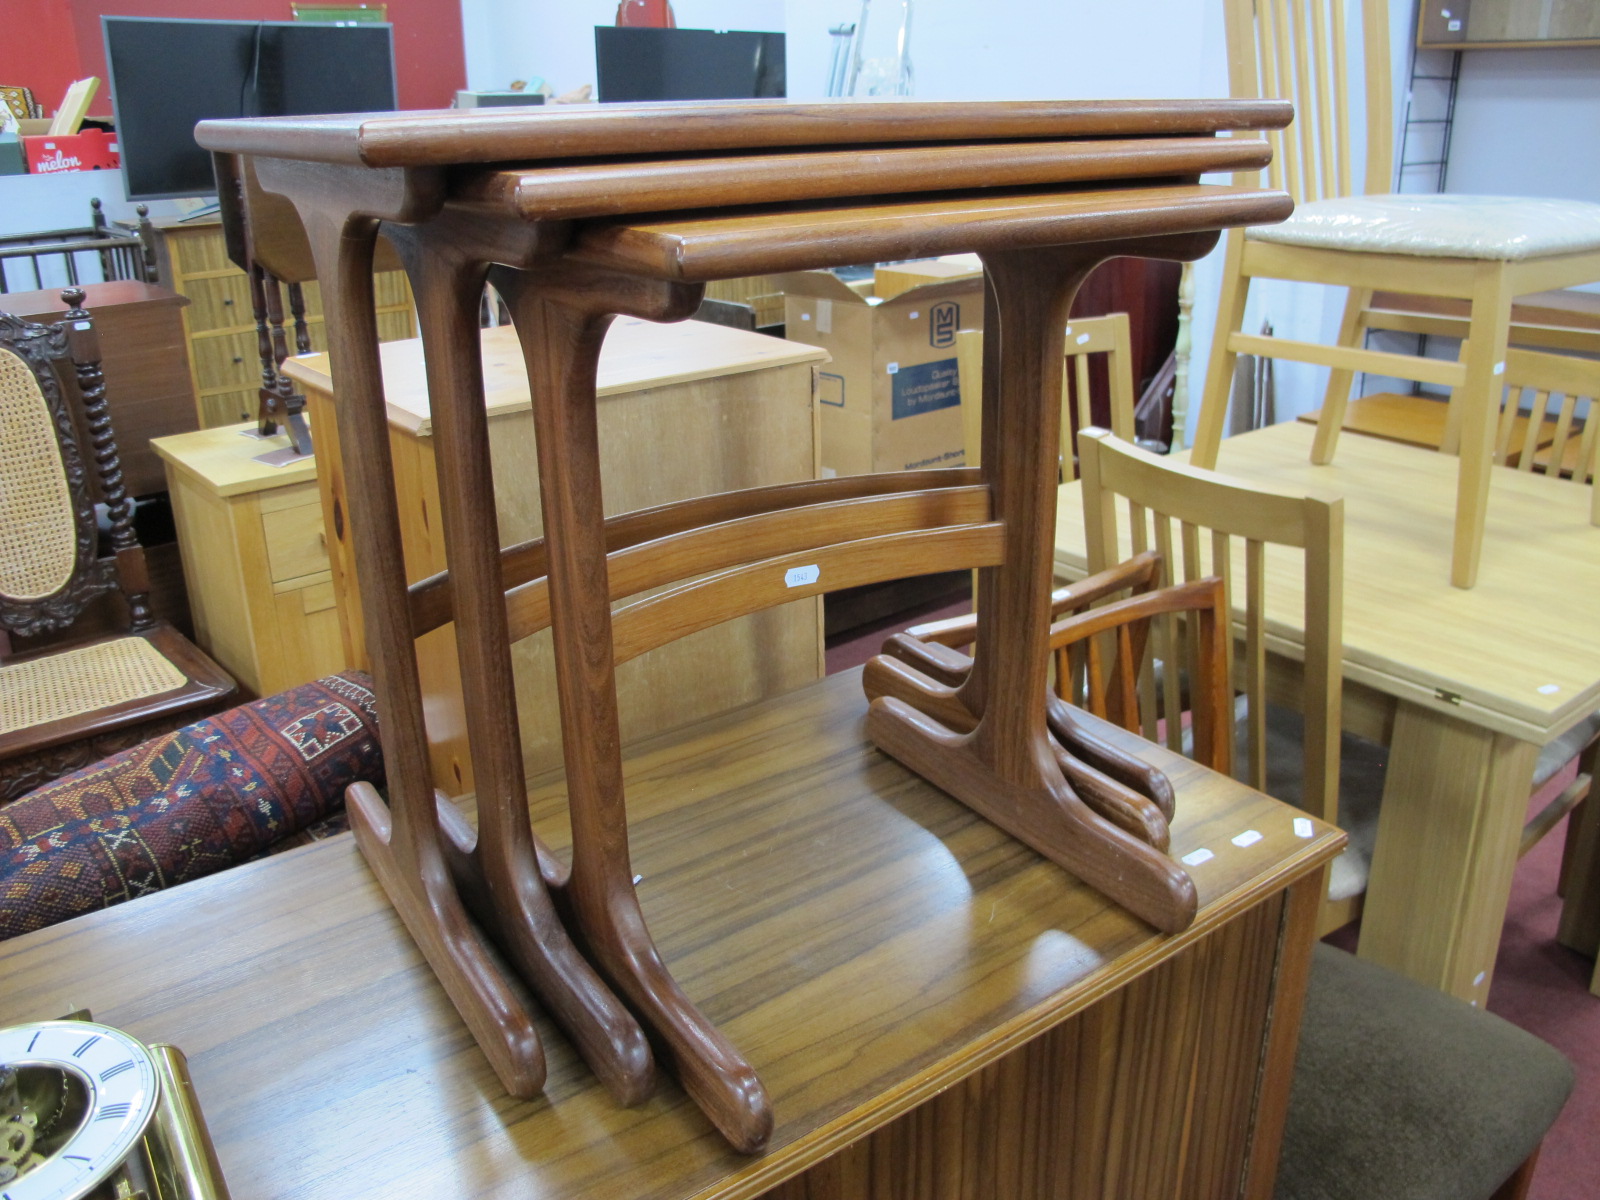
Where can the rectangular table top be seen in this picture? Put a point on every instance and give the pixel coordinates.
(863, 938)
(1517, 653)
(504, 135)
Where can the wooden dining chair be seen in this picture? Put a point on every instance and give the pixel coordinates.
(69, 703)
(1401, 1090)
(1350, 233)
(1396, 1086)
(1204, 523)
(1100, 626)
(1557, 398)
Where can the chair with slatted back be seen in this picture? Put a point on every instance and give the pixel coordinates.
(1202, 522)
(1560, 436)
(1104, 649)
(70, 703)
(1481, 249)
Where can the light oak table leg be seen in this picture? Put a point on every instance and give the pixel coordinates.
(1453, 805)
(1580, 909)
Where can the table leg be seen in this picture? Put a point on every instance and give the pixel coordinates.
(561, 317)
(1453, 804)
(500, 871)
(400, 840)
(1006, 768)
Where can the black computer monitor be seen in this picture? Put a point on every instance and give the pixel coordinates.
(166, 75)
(687, 64)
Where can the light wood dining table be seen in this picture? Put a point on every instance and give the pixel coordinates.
(1464, 686)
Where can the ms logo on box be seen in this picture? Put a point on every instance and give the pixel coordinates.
(943, 321)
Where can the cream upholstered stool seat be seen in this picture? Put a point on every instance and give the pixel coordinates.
(1504, 228)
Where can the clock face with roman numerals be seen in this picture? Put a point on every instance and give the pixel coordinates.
(97, 1112)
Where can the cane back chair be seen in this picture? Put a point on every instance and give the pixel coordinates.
(72, 702)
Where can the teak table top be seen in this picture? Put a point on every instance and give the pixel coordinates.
(498, 135)
(1517, 653)
(865, 939)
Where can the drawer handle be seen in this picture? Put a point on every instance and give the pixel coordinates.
(228, 300)
(237, 359)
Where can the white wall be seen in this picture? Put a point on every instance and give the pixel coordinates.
(554, 39)
(1527, 124)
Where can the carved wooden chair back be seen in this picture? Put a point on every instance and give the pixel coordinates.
(1108, 335)
(1299, 50)
(1562, 392)
(1203, 523)
(50, 562)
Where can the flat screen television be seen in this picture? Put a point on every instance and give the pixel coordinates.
(168, 74)
(687, 64)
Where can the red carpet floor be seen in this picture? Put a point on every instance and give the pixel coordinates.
(1538, 984)
(1544, 987)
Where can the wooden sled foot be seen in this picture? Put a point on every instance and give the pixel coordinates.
(425, 897)
(1045, 814)
(531, 934)
(711, 1070)
(1117, 787)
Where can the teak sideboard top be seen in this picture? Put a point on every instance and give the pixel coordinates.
(869, 942)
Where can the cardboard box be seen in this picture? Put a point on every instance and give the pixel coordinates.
(90, 150)
(891, 399)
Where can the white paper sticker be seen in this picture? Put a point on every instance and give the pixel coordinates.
(800, 576)
(1303, 827)
(1499, 368)
(1479, 978)
(805, 316)
(1082, 338)
(914, 315)
(824, 316)
(829, 473)
(1550, 689)
(894, 368)
(1195, 857)
(1248, 838)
